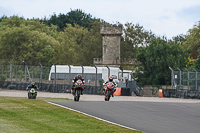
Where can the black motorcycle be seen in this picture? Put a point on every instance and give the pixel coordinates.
(32, 93)
(78, 88)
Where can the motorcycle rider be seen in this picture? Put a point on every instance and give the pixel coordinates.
(110, 79)
(32, 85)
(77, 77)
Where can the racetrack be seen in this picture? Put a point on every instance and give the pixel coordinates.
(149, 117)
(22, 93)
(147, 114)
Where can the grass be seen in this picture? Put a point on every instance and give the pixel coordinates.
(22, 115)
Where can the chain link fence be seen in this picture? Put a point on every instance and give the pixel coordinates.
(20, 76)
(185, 84)
(187, 80)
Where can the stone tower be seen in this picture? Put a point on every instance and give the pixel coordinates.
(110, 46)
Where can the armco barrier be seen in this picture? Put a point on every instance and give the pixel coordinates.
(122, 91)
(169, 92)
(181, 93)
(125, 91)
(58, 88)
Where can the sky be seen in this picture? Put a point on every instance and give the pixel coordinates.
(167, 18)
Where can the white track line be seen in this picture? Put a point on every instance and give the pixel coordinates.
(92, 116)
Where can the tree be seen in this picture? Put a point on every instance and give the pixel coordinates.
(177, 39)
(133, 37)
(34, 42)
(155, 60)
(73, 17)
(28, 40)
(20, 43)
(92, 47)
(68, 51)
(78, 45)
(192, 42)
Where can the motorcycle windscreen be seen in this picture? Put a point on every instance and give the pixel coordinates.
(79, 83)
(110, 84)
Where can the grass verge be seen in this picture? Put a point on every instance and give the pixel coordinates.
(22, 115)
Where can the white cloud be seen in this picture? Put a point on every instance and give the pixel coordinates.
(163, 17)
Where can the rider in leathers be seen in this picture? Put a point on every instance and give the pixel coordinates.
(74, 81)
(110, 79)
(32, 85)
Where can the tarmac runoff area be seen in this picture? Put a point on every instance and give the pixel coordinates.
(86, 97)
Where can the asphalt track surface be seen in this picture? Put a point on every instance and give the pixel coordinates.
(147, 114)
(149, 117)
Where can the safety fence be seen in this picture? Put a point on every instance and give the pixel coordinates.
(184, 84)
(20, 76)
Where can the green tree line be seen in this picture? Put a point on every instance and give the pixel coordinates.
(74, 38)
(43, 41)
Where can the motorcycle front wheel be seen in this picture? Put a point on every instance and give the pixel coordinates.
(108, 94)
(77, 95)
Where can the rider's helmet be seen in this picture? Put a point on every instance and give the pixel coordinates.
(33, 83)
(111, 78)
(79, 76)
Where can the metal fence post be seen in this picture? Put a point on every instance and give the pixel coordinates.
(122, 72)
(195, 78)
(82, 70)
(180, 84)
(188, 78)
(54, 77)
(41, 72)
(96, 77)
(108, 70)
(10, 70)
(25, 70)
(172, 76)
(69, 74)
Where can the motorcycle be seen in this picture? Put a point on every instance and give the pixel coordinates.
(109, 89)
(78, 88)
(32, 93)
